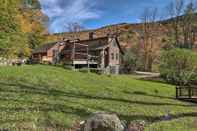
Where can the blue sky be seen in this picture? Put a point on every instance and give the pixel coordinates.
(97, 13)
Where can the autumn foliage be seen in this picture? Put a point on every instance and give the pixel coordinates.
(21, 29)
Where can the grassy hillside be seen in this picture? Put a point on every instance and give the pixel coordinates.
(43, 96)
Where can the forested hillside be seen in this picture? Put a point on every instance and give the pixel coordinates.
(129, 33)
(20, 27)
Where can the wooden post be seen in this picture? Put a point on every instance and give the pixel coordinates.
(73, 55)
(88, 59)
(103, 59)
(180, 91)
(40, 58)
(177, 92)
(190, 93)
(58, 53)
(74, 51)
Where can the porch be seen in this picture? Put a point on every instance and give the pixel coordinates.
(80, 55)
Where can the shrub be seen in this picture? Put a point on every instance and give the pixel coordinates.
(92, 70)
(179, 66)
(130, 62)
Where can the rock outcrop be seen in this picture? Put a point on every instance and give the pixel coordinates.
(103, 122)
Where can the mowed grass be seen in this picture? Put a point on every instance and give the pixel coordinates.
(44, 96)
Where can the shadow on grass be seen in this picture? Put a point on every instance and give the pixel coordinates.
(151, 119)
(26, 88)
(31, 88)
(42, 107)
(154, 79)
(146, 94)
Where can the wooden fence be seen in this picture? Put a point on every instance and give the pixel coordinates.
(186, 92)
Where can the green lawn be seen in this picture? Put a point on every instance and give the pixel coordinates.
(44, 96)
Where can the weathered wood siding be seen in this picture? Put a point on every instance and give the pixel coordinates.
(114, 57)
(114, 52)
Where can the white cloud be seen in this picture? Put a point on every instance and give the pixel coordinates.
(61, 12)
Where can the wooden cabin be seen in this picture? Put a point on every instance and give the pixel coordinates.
(47, 53)
(102, 53)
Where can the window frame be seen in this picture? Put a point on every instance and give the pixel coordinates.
(112, 56)
(117, 56)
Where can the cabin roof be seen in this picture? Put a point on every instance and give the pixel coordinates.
(44, 48)
(90, 42)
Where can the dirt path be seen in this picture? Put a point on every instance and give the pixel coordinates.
(141, 75)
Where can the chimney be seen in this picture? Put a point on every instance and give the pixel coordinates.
(91, 35)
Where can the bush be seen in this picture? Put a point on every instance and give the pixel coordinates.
(179, 66)
(130, 62)
(92, 70)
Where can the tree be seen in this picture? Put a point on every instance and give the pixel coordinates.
(179, 66)
(32, 22)
(74, 28)
(183, 24)
(149, 37)
(20, 31)
(188, 26)
(35, 39)
(31, 4)
(130, 61)
(175, 9)
(12, 41)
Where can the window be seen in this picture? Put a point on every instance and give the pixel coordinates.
(55, 53)
(117, 56)
(114, 44)
(112, 56)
